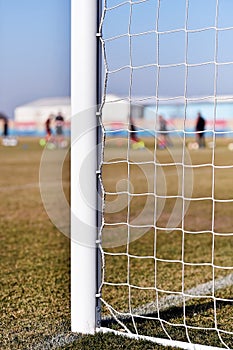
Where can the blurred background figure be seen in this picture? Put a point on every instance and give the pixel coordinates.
(5, 124)
(6, 139)
(59, 124)
(48, 128)
(164, 138)
(200, 128)
(137, 142)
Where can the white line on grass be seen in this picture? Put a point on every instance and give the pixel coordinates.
(31, 185)
(204, 289)
(19, 187)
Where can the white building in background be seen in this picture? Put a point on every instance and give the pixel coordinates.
(117, 110)
(31, 117)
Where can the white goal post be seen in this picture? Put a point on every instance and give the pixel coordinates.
(83, 188)
(150, 254)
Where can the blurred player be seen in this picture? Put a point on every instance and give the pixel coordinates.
(137, 143)
(7, 140)
(59, 124)
(48, 128)
(200, 128)
(5, 124)
(164, 139)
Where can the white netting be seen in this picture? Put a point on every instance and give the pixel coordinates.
(167, 232)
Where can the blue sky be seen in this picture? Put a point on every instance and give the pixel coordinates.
(35, 49)
(172, 47)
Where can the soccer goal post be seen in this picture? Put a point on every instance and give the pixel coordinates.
(151, 171)
(84, 164)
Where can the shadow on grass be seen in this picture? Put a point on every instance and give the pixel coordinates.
(195, 323)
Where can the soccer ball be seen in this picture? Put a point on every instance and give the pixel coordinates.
(211, 145)
(193, 146)
(42, 142)
(64, 144)
(138, 145)
(50, 145)
(9, 141)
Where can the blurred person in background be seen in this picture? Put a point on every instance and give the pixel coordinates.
(200, 130)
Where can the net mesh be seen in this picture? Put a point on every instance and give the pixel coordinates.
(167, 228)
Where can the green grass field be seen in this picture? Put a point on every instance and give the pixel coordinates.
(35, 267)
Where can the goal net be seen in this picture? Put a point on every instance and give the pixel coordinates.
(166, 238)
